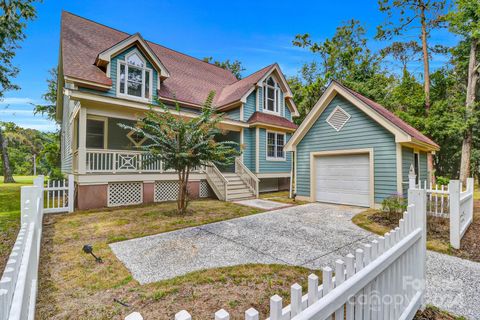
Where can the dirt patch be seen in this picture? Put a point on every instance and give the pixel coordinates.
(438, 232)
(433, 313)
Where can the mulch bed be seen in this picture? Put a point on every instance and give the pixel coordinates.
(439, 231)
(433, 313)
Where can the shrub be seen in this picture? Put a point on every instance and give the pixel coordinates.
(443, 181)
(394, 205)
(56, 174)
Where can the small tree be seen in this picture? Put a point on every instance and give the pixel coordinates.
(183, 144)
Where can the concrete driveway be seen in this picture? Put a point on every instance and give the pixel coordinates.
(312, 235)
(309, 235)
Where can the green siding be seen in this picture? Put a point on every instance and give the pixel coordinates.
(267, 166)
(407, 161)
(113, 71)
(358, 133)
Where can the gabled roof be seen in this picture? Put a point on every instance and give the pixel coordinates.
(271, 119)
(136, 39)
(403, 131)
(190, 80)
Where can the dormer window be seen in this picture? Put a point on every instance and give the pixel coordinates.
(271, 101)
(134, 78)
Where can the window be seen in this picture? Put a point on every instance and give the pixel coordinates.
(271, 96)
(275, 144)
(134, 77)
(95, 134)
(416, 157)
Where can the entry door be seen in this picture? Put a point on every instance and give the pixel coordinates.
(343, 179)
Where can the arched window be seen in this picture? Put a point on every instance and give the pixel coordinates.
(135, 79)
(271, 102)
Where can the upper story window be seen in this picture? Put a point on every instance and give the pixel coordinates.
(135, 79)
(271, 102)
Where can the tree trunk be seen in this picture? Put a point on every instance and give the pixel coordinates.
(426, 62)
(7, 171)
(182, 201)
(472, 83)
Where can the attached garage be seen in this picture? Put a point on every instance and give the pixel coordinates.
(343, 178)
(351, 150)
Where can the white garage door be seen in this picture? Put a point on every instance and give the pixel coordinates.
(343, 179)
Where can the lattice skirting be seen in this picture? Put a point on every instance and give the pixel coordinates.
(205, 190)
(125, 193)
(165, 191)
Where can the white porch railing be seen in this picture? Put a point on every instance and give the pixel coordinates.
(113, 161)
(217, 181)
(18, 285)
(383, 280)
(247, 176)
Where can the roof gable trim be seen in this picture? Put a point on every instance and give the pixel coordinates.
(332, 90)
(105, 56)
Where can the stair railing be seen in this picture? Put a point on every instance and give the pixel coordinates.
(217, 181)
(247, 176)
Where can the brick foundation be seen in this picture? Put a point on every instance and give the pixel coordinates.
(92, 196)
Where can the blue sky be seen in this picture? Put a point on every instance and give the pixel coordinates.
(255, 32)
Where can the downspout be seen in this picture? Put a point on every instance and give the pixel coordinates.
(292, 172)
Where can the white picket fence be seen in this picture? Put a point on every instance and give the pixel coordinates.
(59, 195)
(383, 280)
(461, 210)
(18, 285)
(451, 202)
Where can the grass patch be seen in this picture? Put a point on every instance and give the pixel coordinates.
(10, 215)
(476, 193)
(280, 196)
(438, 233)
(72, 285)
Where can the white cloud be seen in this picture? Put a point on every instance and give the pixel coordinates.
(15, 111)
(17, 101)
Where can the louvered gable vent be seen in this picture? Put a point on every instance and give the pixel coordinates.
(338, 118)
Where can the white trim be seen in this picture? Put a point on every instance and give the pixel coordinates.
(338, 109)
(87, 179)
(105, 129)
(276, 133)
(369, 151)
(257, 150)
(257, 101)
(144, 70)
(128, 103)
(399, 168)
(276, 92)
(106, 55)
(324, 101)
(241, 111)
(137, 144)
(85, 82)
(241, 142)
(273, 175)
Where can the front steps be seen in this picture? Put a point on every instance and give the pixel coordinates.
(237, 189)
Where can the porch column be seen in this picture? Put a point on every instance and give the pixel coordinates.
(82, 138)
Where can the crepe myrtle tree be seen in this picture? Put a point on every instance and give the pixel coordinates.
(183, 144)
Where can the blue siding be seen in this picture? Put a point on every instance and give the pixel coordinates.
(250, 106)
(267, 166)
(288, 113)
(249, 154)
(358, 133)
(233, 114)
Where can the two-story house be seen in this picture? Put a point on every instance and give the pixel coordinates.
(107, 77)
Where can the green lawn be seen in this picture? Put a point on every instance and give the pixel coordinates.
(10, 214)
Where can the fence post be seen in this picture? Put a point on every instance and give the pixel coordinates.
(418, 198)
(71, 193)
(454, 188)
(412, 178)
(470, 190)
